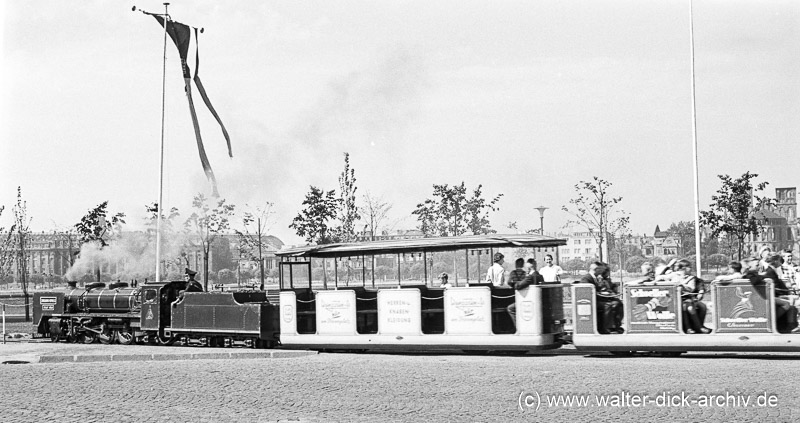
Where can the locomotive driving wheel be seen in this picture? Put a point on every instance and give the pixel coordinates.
(107, 336)
(87, 338)
(125, 336)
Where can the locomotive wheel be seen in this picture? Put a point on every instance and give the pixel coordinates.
(124, 336)
(87, 338)
(107, 337)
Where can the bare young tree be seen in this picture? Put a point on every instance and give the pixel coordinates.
(21, 230)
(348, 214)
(374, 212)
(596, 210)
(208, 222)
(6, 250)
(253, 239)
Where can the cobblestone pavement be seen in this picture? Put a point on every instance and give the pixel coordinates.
(377, 387)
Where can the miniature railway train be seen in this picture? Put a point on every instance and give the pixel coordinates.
(406, 317)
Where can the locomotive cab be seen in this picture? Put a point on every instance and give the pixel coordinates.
(157, 298)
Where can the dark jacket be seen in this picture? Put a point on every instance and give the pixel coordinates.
(194, 286)
(777, 282)
(534, 278)
(602, 286)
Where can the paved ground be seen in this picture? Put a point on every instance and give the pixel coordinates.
(377, 387)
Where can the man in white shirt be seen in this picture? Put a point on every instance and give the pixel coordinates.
(496, 275)
(551, 272)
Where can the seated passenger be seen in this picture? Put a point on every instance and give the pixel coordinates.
(785, 313)
(532, 278)
(609, 307)
(443, 282)
(694, 310)
(518, 274)
(648, 275)
(734, 272)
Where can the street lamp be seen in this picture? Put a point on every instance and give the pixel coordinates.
(541, 218)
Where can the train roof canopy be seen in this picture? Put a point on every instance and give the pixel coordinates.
(399, 246)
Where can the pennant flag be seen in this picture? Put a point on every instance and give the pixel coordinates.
(181, 35)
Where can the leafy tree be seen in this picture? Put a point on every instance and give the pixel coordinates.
(735, 208)
(374, 213)
(596, 210)
(717, 260)
(95, 227)
(207, 223)
(452, 213)
(22, 232)
(634, 264)
(685, 232)
(312, 222)
(348, 213)
(253, 239)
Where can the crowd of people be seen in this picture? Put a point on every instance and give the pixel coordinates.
(768, 267)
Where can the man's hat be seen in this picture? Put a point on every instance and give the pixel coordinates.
(190, 272)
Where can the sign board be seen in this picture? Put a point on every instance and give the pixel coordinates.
(336, 312)
(399, 312)
(652, 309)
(742, 307)
(468, 311)
(288, 313)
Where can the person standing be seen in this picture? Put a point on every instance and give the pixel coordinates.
(191, 284)
(496, 275)
(551, 272)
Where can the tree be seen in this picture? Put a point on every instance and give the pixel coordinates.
(252, 240)
(6, 250)
(634, 264)
(207, 223)
(312, 222)
(452, 213)
(717, 260)
(22, 233)
(735, 208)
(596, 210)
(374, 212)
(348, 213)
(685, 232)
(95, 227)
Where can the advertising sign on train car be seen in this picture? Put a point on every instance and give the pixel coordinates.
(336, 313)
(743, 308)
(468, 311)
(399, 312)
(652, 309)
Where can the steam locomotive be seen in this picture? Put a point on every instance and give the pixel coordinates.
(156, 312)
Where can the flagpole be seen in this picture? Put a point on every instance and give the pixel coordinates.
(161, 163)
(694, 149)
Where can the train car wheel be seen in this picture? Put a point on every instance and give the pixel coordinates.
(165, 340)
(124, 336)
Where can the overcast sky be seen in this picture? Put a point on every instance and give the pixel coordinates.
(526, 98)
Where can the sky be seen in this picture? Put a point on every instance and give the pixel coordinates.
(525, 98)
